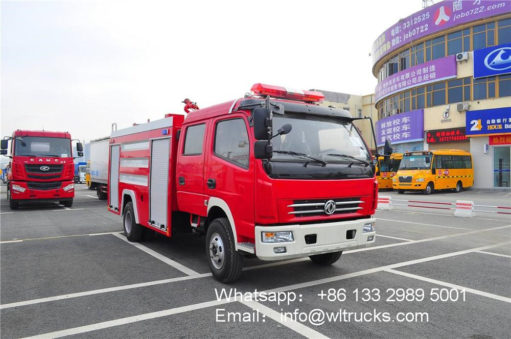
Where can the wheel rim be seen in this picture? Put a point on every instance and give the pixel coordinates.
(458, 187)
(128, 222)
(428, 189)
(216, 251)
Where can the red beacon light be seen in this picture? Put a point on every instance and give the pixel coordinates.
(284, 93)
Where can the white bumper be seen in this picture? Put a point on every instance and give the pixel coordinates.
(330, 237)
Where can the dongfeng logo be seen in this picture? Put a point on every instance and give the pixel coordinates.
(44, 168)
(329, 207)
(499, 59)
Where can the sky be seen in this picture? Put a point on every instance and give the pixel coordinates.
(80, 65)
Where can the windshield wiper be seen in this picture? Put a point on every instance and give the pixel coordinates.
(360, 161)
(303, 155)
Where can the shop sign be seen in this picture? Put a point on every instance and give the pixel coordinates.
(446, 135)
(500, 139)
(435, 18)
(488, 121)
(401, 128)
(431, 71)
(492, 61)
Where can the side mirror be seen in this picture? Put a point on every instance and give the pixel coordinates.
(5, 144)
(3, 152)
(80, 154)
(263, 149)
(79, 147)
(262, 124)
(285, 129)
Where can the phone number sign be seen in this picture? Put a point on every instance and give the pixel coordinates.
(488, 121)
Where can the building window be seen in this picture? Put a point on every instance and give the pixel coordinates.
(504, 85)
(417, 55)
(458, 90)
(436, 94)
(484, 88)
(505, 31)
(458, 42)
(404, 60)
(438, 47)
(483, 36)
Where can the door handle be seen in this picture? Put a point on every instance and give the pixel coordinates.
(181, 180)
(211, 183)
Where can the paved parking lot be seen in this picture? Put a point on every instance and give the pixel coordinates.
(69, 272)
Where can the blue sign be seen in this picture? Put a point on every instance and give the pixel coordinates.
(492, 61)
(489, 121)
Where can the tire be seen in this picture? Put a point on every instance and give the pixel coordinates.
(67, 203)
(325, 259)
(459, 187)
(99, 193)
(429, 189)
(400, 191)
(13, 204)
(224, 261)
(132, 230)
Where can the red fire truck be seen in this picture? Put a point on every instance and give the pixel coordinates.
(272, 174)
(41, 167)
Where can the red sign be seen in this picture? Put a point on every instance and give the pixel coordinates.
(500, 139)
(446, 135)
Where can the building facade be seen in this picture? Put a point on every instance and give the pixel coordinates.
(444, 81)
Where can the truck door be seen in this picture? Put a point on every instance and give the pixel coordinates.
(229, 173)
(159, 183)
(190, 171)
(113, 186)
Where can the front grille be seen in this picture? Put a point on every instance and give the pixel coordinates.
(405, 178)
(46, 177)
(44, 186)
(309, 208)
(36, 168)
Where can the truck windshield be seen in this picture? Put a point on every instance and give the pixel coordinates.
(415, 162)
(324, 139)
(42, 147)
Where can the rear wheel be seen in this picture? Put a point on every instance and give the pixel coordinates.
(67, 203)
(224, 261)
(429, 189)
(132, 230)
(459, 187)
(13, 204)
(326, 259)
(99, 192)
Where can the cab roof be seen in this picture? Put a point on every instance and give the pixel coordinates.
(24, 133)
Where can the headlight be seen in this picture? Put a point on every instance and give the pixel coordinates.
(369, 227)
(419, 180)
(18, 188)
(394, 179)
(281, 236)
(69, 187)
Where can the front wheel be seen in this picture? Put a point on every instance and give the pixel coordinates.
(325, 259)
(224, 261)
(13, 204)
(429, 189)
(132, 230)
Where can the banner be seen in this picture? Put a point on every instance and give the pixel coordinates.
(488, 121)
(431, 71)
(435, 18)
(492, 61)
(401, 128)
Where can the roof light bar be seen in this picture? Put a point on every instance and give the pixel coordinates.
(282, 92)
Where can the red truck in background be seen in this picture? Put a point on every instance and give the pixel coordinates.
(41, 167)
(272, 174)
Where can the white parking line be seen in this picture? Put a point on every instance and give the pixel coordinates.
(426, 240)
(285, 321)
(177, 310)
(421, 223)
(91, 196)
(158, 256)
(6, 212)
(459, 287)
(495, 254)
(390, 237)
(56, 237)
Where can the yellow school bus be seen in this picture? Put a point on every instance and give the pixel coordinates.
(387, 168)
(428, 171)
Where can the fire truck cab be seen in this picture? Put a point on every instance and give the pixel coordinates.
(272, 174)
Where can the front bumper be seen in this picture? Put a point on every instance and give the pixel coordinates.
(330, 237)
(409, 186)
(35, 194)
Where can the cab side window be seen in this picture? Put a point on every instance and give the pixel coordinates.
(231, 141)
(194, 140)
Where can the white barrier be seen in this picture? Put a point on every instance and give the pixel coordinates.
(384, 202)
(464, 208)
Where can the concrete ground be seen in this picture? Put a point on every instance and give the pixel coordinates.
(69, 272)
